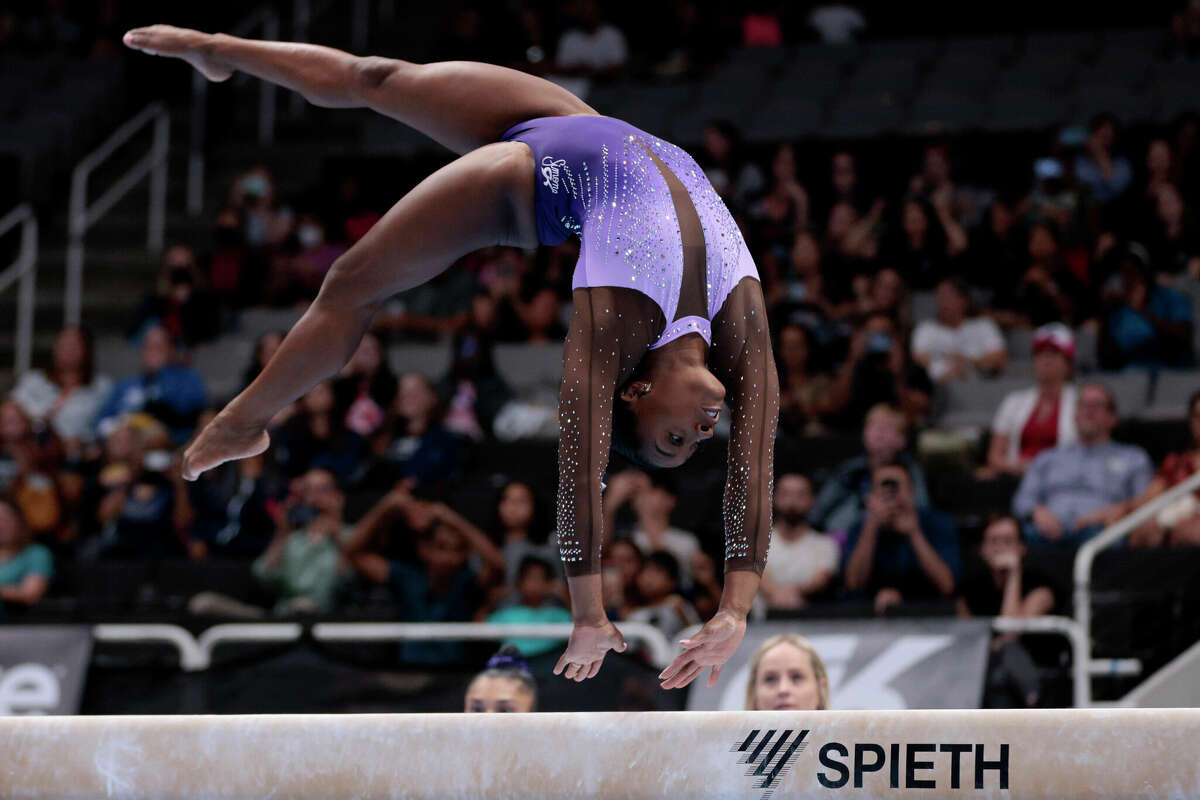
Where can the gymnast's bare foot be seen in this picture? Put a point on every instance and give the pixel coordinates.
(223, 440)
(191, 46)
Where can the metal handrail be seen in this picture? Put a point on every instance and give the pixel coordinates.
(658, 648)
(82, 215)
(196, 653)
(1087, 553)
(24, 269)
(268, 20)
(1080, 654)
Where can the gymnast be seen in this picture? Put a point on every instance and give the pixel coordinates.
(668, 314)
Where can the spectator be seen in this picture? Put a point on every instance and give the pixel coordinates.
(535, 605)
(997, 256)
(172, 394)
(365, 388)
(1161, 170)
(29, 471)
(303, 567)
(1032, 420)
(625, 559)
(734, 177)
(840, 505)
(441, 587)
(414, 443)
(472, 391)
(26, 568)
(837, 23)
(591, 46)
(520, 528)
(1047, 290)
(959, 343)
(653, 499)
(1179, 523)
(179, 303)
(900, 552)
(877, 371)
(662, 605)
(232, 508)
(1099, 167)
(68, 397)
(1004, 584)
(786, 674)
(761, 27)
(882, 294)
(316, 437)
(1071, 492)
(233, 275)
(252, 197)
(802, 388)
(1172, 237)
(920, 251)
(143, 512)
(844, 187)
(781, 213)
(506, 686)
(1148, 325)
(802, 562)
(300, 264)
(705, 595)
(264, 348)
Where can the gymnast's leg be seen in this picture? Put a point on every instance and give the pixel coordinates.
(460, 104)
(481, 199)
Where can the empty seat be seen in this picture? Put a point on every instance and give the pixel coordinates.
(527, 366)
(768, 57)
(1128, 104)
(861, 116)
(920, 51)
(1052, 71)
(652, 108)
(1172, 390)
(1130, 389)
(813, 79)
(785, 117)
(973, 403)
(943, 111)
(996, 48)
(896, 74)
(1028, 109)
(1079, 45)
(971, 75)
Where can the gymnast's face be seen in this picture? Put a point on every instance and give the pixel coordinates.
(676, 410)
(497, 695)
(786, 680)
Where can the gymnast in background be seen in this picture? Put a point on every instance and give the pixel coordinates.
(668, 323)
(506, 686)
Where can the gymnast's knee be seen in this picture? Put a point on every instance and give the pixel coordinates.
(370, 73)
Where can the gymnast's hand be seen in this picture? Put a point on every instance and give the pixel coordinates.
(586, 649)
(711, 647)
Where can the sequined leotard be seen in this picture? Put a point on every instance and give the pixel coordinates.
(660, 258)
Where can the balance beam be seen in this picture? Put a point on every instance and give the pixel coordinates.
(1052, 754)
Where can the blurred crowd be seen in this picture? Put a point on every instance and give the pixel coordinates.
(1097, 238)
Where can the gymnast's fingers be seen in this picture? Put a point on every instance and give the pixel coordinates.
(712, 677)
(677, 670)
(595, 669)
(685, 677)
(562, 664)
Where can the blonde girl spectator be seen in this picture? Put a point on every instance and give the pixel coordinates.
(787, 674)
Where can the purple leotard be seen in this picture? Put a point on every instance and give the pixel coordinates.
(598, 178)
(660, 258)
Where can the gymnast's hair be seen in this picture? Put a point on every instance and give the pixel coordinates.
(507, 663)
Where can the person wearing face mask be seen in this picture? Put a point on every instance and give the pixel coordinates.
(180, 303)
(786, 674)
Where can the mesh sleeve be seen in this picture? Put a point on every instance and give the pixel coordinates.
(741, 358)
(611, 329)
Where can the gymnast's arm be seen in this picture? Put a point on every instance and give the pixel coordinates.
(742, 359)
(611, 328)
